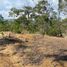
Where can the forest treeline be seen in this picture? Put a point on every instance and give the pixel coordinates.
(41, 19)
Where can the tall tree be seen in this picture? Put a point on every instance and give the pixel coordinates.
(1, 19)
(61, 8)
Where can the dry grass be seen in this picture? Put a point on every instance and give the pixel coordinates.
(33, 51)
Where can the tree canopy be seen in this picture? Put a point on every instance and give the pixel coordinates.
(41, 19)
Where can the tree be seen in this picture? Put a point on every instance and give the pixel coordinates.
(27, 11)
(2, 24)
(61, 8)
(42, 18)
(64, 21)
(1, 19)
(24, 16)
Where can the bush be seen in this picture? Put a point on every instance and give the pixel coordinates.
(15, 27)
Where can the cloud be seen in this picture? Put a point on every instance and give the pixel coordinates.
(6, 5)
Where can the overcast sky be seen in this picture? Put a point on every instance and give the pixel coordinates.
(6, 5)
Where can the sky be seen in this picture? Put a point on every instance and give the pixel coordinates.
(6, 5)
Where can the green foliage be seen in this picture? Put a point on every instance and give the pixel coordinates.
(15, 27)
(41, 24)
(41, 18)
(32, 27)
(54, 29)
(3, 25)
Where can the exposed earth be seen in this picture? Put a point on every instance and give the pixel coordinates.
(32, 50)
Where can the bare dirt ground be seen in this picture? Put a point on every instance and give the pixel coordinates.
(33, 50)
